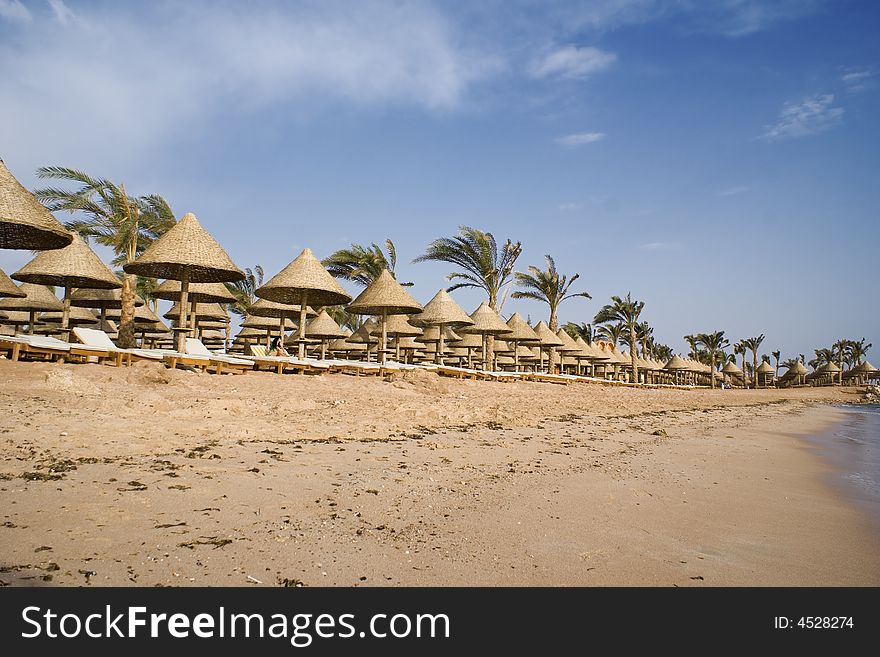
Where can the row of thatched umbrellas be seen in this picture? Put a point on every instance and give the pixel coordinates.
(195, 267)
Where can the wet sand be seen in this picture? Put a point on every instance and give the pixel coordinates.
(145, 476)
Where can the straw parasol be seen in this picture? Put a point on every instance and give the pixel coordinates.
(74, 317)
(16, 318)
(186, 253)
(324, 328)
(547, 338)
(383, 297)
(304, 281)
(38, 298)
(442, 311)
(399, 326)
(520, 333)
(74, 266)
(486, 322)
(24, 222)
(280, 311)
(8, 288)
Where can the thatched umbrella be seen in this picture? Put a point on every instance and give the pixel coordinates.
(280, 311)
(104, 300)
(464, 346)
(364, 335)
(732, 371)
(324, 328)
(38, 298)
(16, 318)
(830, 369)
(442, 311)
(8, 288)
(383, 297)
(486, 322)
(676, 364)
(74, 317)
(24, 222)
(399, 326)
(570, 348)
(267, 325)
(169, 290)
(547, 339)
(186, 253)
(765, 369)
(74, 266)
(520, 333)
(304, 281)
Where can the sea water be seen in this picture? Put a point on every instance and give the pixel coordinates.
(853, 449)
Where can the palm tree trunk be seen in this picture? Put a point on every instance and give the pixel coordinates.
(712, 367)
(126, 317)
(755, 367)
(551, 354)
(632, 354)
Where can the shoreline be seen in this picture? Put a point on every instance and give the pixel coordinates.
(143, 476)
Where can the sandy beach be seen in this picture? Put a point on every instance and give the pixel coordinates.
(147, 476)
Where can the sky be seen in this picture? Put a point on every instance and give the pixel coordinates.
(716, 158)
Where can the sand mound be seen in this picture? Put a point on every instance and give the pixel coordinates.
(149, 373)
(421, 381)
(62, 379)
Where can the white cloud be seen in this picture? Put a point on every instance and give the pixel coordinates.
(13, 10)
(808, 117)
(579, 139)
(62, 12)
(856, 81)
(733, 191)
(661, 246)
(71, 90)
(567, 207)
(571, 62)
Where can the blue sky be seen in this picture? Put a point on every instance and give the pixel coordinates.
(717, 158)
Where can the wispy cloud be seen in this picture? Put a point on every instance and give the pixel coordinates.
(217, 57)
(571, 62)
(807, 117)
(858, 80)
(568, 207)
(13, 10)
(579, 139)
(733, 191)
(661, 246)
(62, 12)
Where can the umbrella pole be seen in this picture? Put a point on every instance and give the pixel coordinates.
(226, 342)
(384, 342)
(323, 348)
(281, 329)
(65, 315)
(516, 357)
(103, 318)
(301, 329)
(33, 319)
(485, 352)
(397, 348)
(181, 322)
(440, 346)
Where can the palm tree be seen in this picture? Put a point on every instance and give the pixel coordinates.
(754, 344)
(245, 290)
(626, 311)
(777, 355)
(662, 352)
(482, 264)
(823, 357)
(858, 349)
(644, 335)
(361, 264)
(741, 348)
(694, 343)
(611, 333)
(126, 224)
(839, 348)
(582, 330)
(714, 343)
(344, 318)
(550, 287)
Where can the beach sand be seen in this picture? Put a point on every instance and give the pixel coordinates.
(147, 476)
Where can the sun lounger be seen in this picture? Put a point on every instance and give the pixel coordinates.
(40, 345)
(196, 352)
(285, 363)
(94, 342)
